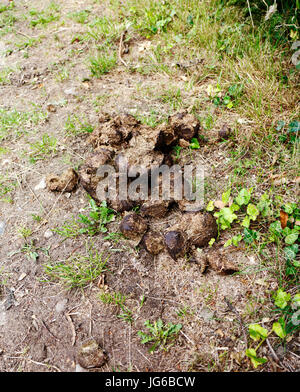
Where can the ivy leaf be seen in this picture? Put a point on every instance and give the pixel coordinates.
(280, 125)
(236, 239)
(257, 332)
(291, 252)
(252, 211)
(249, 235)
(210, 206)
(291, 238)
(294, 126)
(246, 221)
(275, 228)
(229, 216)
(234, 207)
(282, 298)
(228, 243)
(296, 301)
(279, 330)
(243, 197)
(226, 196)
(251, 353)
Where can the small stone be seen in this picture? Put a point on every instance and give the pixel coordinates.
(40, 185)
(2, 227)
(48, 234)
(61, 305)
(91, 355)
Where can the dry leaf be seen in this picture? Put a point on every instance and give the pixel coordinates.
(219, 204)
(283, 218)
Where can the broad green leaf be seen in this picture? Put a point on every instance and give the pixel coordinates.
(229, 215)
(226, 196)
(257, 332)
(249, 235)
(210, 206)
(275, 228)
(236, 239)
(278, 329)
(234, 207)
(296, 300)
(289, 208)
(251, 353)
(291, 251)
(252, 211)
(228, 243)
(291, 238)
(282, 298)
(246, 221)
(194, 143)
(243, 197)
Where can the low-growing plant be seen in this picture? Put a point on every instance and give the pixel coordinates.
(102, 64)
(78, 270)
(90, 224)
(288, 323)
(161, 335)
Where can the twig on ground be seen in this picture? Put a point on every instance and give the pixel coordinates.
(68, 317)
(121, 47)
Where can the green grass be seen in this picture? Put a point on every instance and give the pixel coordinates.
(44, 17)
(7, 186)
(76, 125)
(14, 123)
(78, 270)
(161, 335)
(4, 75)
(44, 148)
(102, 64)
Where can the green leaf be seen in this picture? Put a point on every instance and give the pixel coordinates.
(282, 298)
(210, 206)
(294, 126)
(278, 329)
(194, 143)
(243, 197)
(226, 196)
(211, 242)
(251, 353)
(252, 211)
(275, 228)
(291, 238)
(228, 243)
(257, 332)
(236, 239)
(246, 221)
(249, 235)
(296, 300)
(289, 208)
(291, 252)
(234, 207)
